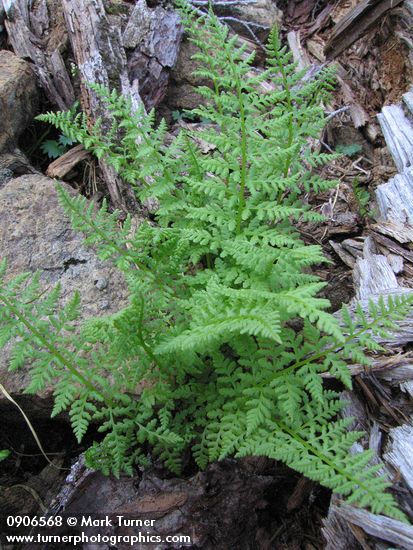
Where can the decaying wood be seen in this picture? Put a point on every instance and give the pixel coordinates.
(33, 496)
(222, 502)
(401, 233)
(396, 367)
(152, 38)
(391, 246)
(399, 453)
(344, 256)
(395, 199)
(337, 532)
(398, 134)
(62, 166)
(374, 274)
(358, 113)
(382, 527)
(26, 30)
(355, 23)
(100, 57)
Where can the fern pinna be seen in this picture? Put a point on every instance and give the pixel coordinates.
(205, 356)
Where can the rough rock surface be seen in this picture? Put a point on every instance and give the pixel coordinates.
(264, 13)
(36, 235)
(18, 98)
(182, 89)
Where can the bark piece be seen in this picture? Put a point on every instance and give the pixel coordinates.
(62, 166)
(382, 527)
(392, 246)
(337, 532)
(299, 54)
(373, 273)
(345, 256)
(396, 262)
(358, 114)
(401, 233)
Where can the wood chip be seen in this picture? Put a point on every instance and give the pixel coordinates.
(64, 164)
(299, 54)
(347, 258)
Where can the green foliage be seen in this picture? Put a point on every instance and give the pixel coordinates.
(205, 355)
(363, 200)
(4, 455)
(55, 148)
(187, 116)
(349, 149)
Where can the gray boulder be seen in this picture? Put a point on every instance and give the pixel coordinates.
(35, 235)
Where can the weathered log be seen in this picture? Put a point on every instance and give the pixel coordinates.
(100, 57)
(381, 527)
(27, 31)
(395, 199)
(398, 133)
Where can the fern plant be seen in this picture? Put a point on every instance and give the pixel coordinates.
(221, 347)
(4, 454)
